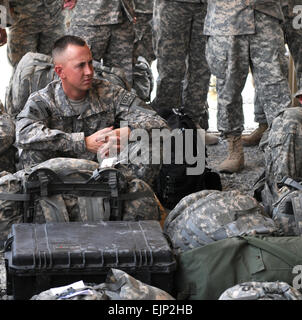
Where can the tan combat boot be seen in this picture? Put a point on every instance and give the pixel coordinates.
(254, 138)
(235, 160)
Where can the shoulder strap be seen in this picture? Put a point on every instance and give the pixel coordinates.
(297, 210)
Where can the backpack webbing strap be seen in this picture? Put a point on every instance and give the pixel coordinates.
(297, 209)
(14, 196)
(291, 183)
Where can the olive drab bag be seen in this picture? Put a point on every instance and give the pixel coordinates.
(283, 156)
(210, 215)
(205, 273)
(67, 189)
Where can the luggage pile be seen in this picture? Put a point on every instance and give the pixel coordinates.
(68, 220)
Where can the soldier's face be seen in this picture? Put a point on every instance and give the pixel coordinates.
(76, 70)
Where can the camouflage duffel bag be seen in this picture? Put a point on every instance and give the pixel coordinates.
(67, 189)
(261, 291)
(118, 286)
(210, 215)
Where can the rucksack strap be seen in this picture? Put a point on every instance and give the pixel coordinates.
(287, 181)
(14, 196)
(297, 210)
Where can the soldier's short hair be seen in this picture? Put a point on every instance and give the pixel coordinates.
(62, 43)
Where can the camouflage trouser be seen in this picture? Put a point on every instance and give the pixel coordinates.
(112, 43)
(143, 37)
(183, 73)
(293, 38)
(230, 57)
(34, 39)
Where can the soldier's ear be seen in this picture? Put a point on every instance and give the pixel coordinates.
(60, 71)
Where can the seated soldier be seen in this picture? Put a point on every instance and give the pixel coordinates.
(78, 116)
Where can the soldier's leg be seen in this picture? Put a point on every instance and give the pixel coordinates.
(228, 59)
(172, 26)
(197, 78)
(293, 38)
(119, 52)
(143, 37)
(19, 42)
(97, 38)
(48, 37)
(269, 64)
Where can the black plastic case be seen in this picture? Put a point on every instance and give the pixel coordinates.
(42, 256)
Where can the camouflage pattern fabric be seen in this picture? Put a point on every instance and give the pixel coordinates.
(282, 154)
(33, 72)
(229, 58)
(49, 108)
(207, 216)
(179, 45)
(237, 17)
(7, 138)
(293, 38)
(108, 32)
(118, 286)
(261, 291)
(68, 206)
(36, 26)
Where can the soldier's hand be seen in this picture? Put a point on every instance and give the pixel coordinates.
(95, 141)
(69, 4)
(3, 37)
(114, 142)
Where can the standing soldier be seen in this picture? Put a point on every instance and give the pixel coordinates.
(293, 38)
(242, 35)
(179, 44)
(143, 30)
(35, 26)
(107, 27)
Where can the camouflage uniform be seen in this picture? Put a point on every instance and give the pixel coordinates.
(7, 137)
(183, 73)
(261, 291)
(293, 38)
(243, 35)
(36, 25)
(143, 30)
(118, 286)
(108, 31)
(48, 127)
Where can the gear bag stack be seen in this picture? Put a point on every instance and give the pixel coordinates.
(66, 189)
(208, 216)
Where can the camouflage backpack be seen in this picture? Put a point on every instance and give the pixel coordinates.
(261, 291)
(33, 72)
(283, 156)
(118, 286)
(7, 138)
(66, 189)
(209, 215)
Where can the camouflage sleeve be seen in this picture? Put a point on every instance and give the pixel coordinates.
(33, 133)
(138, 115)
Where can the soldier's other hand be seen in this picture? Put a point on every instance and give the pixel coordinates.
(95, 141)
(69, 4)
(3, 37)
(115, 141)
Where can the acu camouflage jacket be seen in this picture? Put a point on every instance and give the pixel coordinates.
(48, 122)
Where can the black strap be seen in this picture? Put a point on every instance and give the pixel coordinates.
(287, 181)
